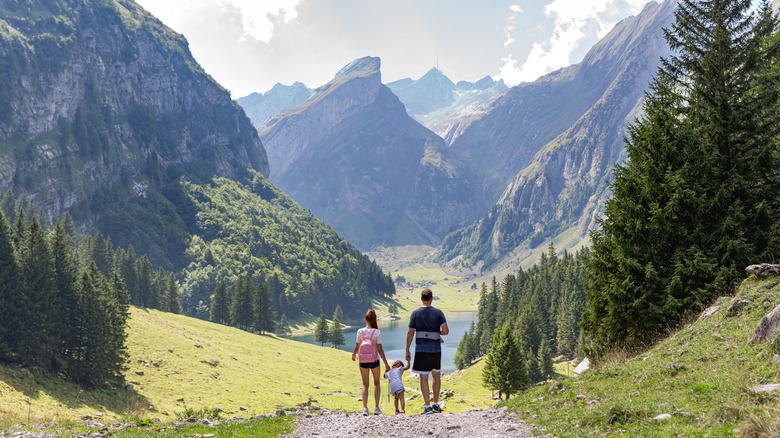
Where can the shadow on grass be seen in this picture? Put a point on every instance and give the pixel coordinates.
(35, 383)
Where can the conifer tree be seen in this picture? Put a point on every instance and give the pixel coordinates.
(172, 294)
(693, 205)
(544, 359)
(243, 309)
(35, 341)
(9, 282)
(336, 334)
(220, 305)
(505, 368)
(265, 311)
(67, 298)
(321, 331)
(338, 313)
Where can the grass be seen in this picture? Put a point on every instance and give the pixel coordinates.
(181, 366)
(701, 375)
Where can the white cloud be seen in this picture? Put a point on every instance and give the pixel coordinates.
(258, 18)
(574, 23)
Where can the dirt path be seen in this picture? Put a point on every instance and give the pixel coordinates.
(483, 423)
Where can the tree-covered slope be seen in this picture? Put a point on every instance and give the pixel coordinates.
(101, 109)
(256, 230)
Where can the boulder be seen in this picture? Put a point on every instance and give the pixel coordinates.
(709, 312)
(768, 326)
(736, 305)
(769, 387)
(763, 270)
(582, 367)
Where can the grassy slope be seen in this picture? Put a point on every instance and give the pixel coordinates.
(169, 373)
(701, 375)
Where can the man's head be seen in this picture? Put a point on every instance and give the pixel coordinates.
(427, 295)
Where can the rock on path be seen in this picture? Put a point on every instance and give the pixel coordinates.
(484, 423)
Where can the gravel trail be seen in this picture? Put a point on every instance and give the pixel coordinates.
(483, 423)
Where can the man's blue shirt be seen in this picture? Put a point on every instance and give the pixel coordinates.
(427, 319)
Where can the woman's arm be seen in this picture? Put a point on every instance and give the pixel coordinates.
(382, 355)
(355, 351)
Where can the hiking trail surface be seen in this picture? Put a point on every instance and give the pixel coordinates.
(482, 423)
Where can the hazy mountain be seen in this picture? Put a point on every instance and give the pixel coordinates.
(444, 107)
(353, 156)
(262, 106)
(566, 132)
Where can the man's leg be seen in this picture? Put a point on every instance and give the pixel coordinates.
(424, 388)
(436, 385)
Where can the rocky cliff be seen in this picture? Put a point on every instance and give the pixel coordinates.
(262, 106)
(566, 132)
(101, 108)
(353, 156)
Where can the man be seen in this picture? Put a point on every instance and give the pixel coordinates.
(427, 325)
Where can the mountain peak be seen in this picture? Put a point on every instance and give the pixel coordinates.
(366, 67)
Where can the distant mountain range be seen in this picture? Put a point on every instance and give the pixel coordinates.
(535, 159)
(354, 157)
(260, 107)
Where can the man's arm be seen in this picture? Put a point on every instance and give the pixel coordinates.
(445, 329)
(409, 337)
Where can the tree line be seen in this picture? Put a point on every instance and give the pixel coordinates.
(530, 318)
(696, 201)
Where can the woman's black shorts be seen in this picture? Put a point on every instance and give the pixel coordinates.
(369, 364)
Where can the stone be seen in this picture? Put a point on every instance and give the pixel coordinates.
(776, 359)
(662, 417)
(708, 312)
(197, 345)
(763, 270)
(736, 305)
(581, 367)
(769, 387)
(769, 325)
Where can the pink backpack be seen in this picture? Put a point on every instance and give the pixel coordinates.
(367, 351)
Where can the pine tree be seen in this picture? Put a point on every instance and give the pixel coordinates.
(505, 368)
(35, 341)
(336, 334)
(544, 359)
(338, 313)
(321, 331)
(265, 310)
(220, 305)
(9, 282)
(461, 358)
(243, 308)
(67, 298)
(172, 295)
(694, 203)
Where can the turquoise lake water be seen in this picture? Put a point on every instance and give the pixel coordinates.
(394, 338)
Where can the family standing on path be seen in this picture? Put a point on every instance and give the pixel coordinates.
(426, 326)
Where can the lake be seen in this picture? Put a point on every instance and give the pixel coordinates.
(394, 338)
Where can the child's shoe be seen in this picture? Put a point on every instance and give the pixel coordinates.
(397, 412)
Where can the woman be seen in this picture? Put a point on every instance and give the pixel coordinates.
(368, 347)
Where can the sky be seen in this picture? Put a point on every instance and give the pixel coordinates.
(250, 45)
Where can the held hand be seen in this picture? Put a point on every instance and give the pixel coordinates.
(408, 356)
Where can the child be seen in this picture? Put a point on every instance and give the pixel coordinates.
(397, 384)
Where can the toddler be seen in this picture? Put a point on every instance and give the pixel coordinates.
(397, 385)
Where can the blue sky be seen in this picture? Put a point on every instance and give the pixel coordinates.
(250, 45)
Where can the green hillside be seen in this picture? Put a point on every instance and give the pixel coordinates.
(180, 364)
(701, 375)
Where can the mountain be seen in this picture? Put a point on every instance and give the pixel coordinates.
(565, 131)
(444, 107)
(353, 156)
(262, 106)
(102, 110)
(106, 116)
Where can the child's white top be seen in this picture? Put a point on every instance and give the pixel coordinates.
(396, 383)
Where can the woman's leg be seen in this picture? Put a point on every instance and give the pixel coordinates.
(364, 375)
(377, 386)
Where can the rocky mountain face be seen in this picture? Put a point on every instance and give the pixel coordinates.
(444, 107)
(566, 132)
(262, 106)
(102, 108)
(353, 156)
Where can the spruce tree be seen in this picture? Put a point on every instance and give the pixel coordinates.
(172, 295)
(67, 298)
(220, 305)
(265, 310)
(35, 340)
(693, 205)
(9, 283)
(505, 367)
(243, 307)
(336, 334)
(321, 331)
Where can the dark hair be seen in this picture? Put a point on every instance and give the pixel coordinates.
(426, 295)
(371, 318)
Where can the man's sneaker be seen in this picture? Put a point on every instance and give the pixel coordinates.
(428, 410)
(365, 412)
(377, 411)
(436, 408)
